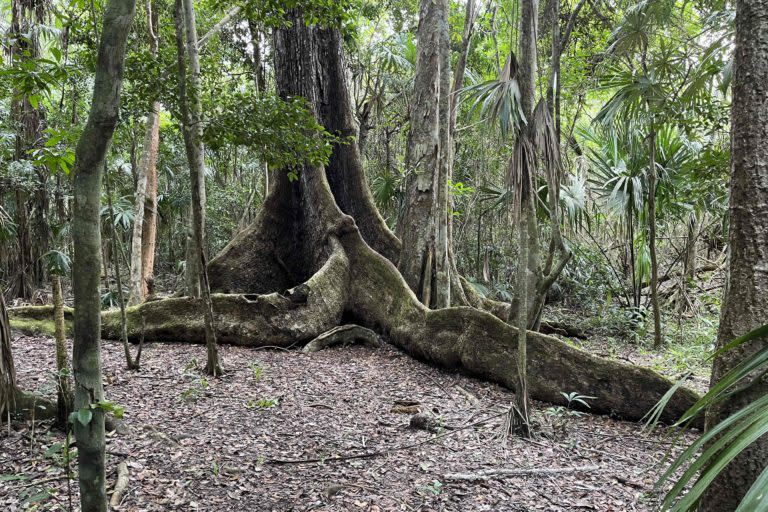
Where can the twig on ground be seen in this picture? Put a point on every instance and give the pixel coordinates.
(491, 474)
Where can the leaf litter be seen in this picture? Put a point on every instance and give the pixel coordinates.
(336, 430)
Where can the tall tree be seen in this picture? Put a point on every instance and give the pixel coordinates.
(29, 117)
(90, 155)
(145, 213)
(522, 172)
(745, 302)
(324, 268)
(424, 227)
(192, 128)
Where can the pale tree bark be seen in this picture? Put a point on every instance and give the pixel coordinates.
(145, 210)
(423, 228)
(149, 226)
(86, 233)
(745, 300)
(192, 118)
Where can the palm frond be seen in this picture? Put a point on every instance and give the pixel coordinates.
(498, 100)
(722, 443)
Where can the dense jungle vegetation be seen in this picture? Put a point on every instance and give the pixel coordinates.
(561, 206)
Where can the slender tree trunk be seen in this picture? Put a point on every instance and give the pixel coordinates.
(149, 226)
(89, 161)
(652, 180)
(745, 300)
(470, 15)
(526, 221)
(145, 211)
(129, 362)
(689, 256)
(64, 396)
(520, 415)
(192, 116)
(140, 196)
(259, 76)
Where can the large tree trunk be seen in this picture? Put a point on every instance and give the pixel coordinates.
(745, 304)
(345, 169)
(424, 227)
(89, 161)
(303, 265)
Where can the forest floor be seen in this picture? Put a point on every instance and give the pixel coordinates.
(264, 438)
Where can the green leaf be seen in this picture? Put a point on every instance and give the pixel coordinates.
(756, 499)
(84, 416)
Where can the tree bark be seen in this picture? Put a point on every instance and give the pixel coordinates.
(33, 233)
(140, 197)
(192, 117)
(423, 228)
(149, 162)
(89, 160)
(470, 15)
(7, 370)
(149, 226)
(64, 396)
(745, 301)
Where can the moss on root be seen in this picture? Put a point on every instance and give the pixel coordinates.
(37, 327)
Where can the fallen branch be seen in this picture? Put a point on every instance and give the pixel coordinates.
(491, 474)
(120, 485)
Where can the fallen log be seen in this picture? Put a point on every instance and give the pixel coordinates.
(120, 485)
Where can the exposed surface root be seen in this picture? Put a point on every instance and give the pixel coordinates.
(344, 335)
(361, 284)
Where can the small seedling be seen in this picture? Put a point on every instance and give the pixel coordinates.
(262, 403)
(561, 415)
(195, 390)
(257, 370)
(436, 487)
